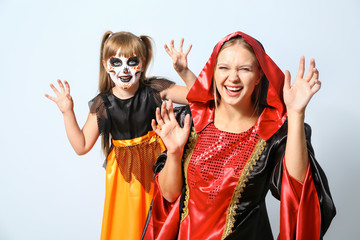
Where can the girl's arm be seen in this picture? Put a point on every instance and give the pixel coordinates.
(174, 138)
(296, 97)
(178, 93)
(82, 140)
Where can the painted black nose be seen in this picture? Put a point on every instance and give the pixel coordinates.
(126, 70)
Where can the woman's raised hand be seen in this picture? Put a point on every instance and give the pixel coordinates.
(179, 57)
(173, 136)
(298, 94)
(63, 98)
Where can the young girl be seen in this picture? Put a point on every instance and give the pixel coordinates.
(122, 112)
(249, 136)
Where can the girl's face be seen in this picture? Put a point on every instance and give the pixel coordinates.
(236, 74)
(123, 71)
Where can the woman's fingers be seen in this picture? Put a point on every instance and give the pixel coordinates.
(171, 111)
(154, 127)
(158, 117)
(301, 69)
(310, 72)
(287, 83)
(314, 78)
(164, 114)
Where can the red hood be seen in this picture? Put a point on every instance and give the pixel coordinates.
(201, 99)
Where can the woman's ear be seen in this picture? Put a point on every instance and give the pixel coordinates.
(261, 74)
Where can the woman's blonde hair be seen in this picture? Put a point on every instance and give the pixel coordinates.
(129, 44)
(255, 97)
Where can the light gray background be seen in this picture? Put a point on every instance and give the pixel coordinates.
(48, 192)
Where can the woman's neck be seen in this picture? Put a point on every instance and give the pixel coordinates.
(125, 93)
(234, 119)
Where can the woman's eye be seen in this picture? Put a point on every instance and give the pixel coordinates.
(115, 62)
(133, 61)
(245, 69)
(223, 68)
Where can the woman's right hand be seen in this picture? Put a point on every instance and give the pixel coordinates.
(173, 136)
(63, 98)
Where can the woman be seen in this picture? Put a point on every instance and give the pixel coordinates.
(248, 137)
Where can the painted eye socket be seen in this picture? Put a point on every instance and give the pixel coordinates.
(115, 62)
(133, 61)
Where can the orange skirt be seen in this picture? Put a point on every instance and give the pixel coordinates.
(129, 186)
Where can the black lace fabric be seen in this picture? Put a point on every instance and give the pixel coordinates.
(98, 107)
(158, 85)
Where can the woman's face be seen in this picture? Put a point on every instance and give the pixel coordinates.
(124, 71)
(236, 74)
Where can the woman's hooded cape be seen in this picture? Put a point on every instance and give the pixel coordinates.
(306, 208)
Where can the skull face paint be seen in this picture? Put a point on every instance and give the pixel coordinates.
(123, 71)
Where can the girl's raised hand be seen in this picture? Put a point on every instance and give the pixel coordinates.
(179, 57)
(63, 98)
(173, 136)
(298, 94)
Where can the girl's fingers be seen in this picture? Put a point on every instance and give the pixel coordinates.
(188, 50)
(167, 49)
(50, 97)
(54, 89)
(172, 45)
(67, 88)
(61, 85)
(181, 44)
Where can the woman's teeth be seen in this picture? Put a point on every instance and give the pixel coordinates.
(233, 89)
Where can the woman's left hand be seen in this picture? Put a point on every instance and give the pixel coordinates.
(178, 57)
(298, 94)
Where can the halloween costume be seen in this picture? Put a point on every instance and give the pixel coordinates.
(227, 175)
(134, 149)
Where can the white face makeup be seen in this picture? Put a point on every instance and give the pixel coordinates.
(124, 71)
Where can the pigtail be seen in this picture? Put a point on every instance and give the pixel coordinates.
(105, 84)
(149, 55)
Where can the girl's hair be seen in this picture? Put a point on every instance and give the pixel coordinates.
(259, 90)
(129, 44)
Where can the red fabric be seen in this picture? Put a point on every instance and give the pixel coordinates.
(300, 216)
(164, 221)
(201, 99)
(212, 177)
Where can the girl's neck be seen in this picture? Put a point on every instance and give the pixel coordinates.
(125, 93)
(235, 119)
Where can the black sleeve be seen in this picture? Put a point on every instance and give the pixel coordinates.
(158, 85)
(99, 106)
(327, 206)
